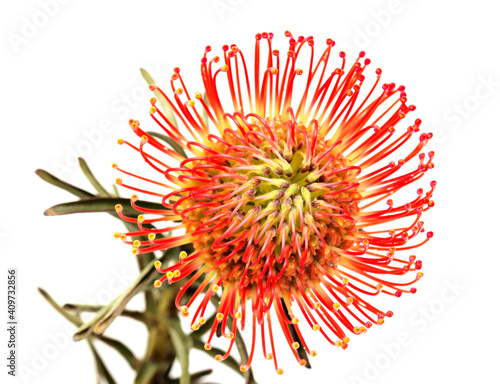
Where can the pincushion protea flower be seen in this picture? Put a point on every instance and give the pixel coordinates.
(282, 197)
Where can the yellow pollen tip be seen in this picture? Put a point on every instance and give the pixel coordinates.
(157, 284)
(198, 95)
(179, 91)
(114, 165)
(202, 321)
(230, 335)
(137, 243)
(295, 345)
(275, 71)
(157, 264)
(144, 138)
(356, 330)
(195, 327)
(269, 356)
(314, 353)
(119, 141)
(123, 237)
(135, 251)
(224, 68)
(345, 280)
(184, 309)
(379, 287)
(279, 371)
(140, 218)
(295, 320)
(346, 339)
(215, 287)
(350, 300)
(182, 255)
(317, 305)
(208, 347)
(116, 235)
(191, 103)
(151, 236)
(336, 306)
(152, 87)
(170, 275)
(220, 316)
(243, 368)
(218, 357)
(380, 321)
(118, 181)
(152, 100)
(420, 275)
(316, 327)
(152, 110)
(238, 315)
(177, 273)
(302, 362)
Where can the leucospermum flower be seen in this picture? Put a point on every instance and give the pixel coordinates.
(284, 193)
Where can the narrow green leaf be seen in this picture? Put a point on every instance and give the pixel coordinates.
(182, 345)
(301, 351)
(147, 372)
(90, 176)
(204, 328)
(195, 376)
(102, 370)
(123, 350)
(99, 204)
(230, 361)
(116, 193)
(291, 328)
(51, 179)
(173, 144)
(165, 105)
(104, 317)
(79, 308)
(242, 349)
(72, 318)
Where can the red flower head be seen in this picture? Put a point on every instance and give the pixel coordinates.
(282, 193)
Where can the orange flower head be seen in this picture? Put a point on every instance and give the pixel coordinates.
(278, 180)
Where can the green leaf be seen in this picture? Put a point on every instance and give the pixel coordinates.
(242, 349)
(102, 370)
(99, 204)
(230, 361)
(195, 376)
(291, 328)
(204, 328)
(173, 144)
(78, 308)
(104, 317)
(90, 176)
(72, 318)
(147, 372)
(301, 351)
(51, 179)
(165, 105)
(182, 345)
(123, 350)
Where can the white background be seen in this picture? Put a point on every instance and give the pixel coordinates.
(78, 66)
